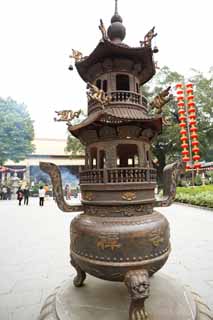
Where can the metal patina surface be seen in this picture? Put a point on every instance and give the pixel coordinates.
(118, 236)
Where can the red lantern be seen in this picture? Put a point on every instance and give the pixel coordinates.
(184, 145)
(189, 91)
(195, 143)
(195, 150)
(191, 104)
(185, 152)
(182, 118)
(197, 165)
(180, 104)
(194, 136)
(192, 122)
(189, 85)
(193, 129)
(180, 92)
(180, 98)
(191, 97)
(196, 157)
(191, 110)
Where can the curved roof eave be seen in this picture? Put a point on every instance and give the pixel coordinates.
(106, 49)
(156, 120)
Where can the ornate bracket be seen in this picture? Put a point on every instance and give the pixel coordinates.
(160, 100)
(103, 30)
(170, 176)
(67, 115)
(55, 175)
(147, 42)
(98, 95)
(77, 55)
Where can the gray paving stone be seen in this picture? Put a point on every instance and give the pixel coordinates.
(18, 300)
(26, 313)
(4, 314)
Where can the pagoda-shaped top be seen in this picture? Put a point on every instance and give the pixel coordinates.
(114, 73)
(112, 55)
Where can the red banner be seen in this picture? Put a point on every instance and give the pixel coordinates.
(6, 169)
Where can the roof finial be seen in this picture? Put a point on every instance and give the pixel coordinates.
(116, 6)
(116, 31)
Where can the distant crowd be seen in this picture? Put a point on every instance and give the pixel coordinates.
(23, 195)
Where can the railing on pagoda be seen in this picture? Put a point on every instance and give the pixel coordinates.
(123, 97)
(118, 175)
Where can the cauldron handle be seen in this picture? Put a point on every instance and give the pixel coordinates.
(52, 170)
(171, 173)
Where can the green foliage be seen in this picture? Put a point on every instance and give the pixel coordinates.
(16, 131)
(74, 146)
(200, 196)
(198, 180)
(34, 189)
(210, 176)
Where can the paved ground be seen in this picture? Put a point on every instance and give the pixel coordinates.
(34, 248)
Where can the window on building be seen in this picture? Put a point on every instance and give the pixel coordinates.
(147, 156)
(102, 159)
(126, 155)
(93, 153)
(105, 85)
(122, 82)
(98, 83)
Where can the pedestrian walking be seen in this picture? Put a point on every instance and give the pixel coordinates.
(1, 193)
(4, 193)
(9, 193)
(41, 193)
(20, 195)
(26, 196)
(46, 188)
(68, 192)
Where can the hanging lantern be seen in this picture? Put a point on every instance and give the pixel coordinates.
(182, 124)
(192, 122)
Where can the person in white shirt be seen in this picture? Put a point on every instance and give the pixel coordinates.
(41, 193)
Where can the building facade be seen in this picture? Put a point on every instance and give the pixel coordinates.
(51, 150)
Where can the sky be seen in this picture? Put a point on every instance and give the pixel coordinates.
(37, 37)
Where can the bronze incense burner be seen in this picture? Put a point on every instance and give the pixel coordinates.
(118, 236)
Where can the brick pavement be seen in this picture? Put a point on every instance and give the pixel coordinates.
(34, 247)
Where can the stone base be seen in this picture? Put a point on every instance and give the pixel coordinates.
(105, 300)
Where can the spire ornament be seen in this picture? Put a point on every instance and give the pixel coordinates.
(116, 31)
(116, 7)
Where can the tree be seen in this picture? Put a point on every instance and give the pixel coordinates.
(167, 146)
(16, 131)
(74, 146)
(204, 104)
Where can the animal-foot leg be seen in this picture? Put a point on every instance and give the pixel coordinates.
(81, 275)
(138, 284)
